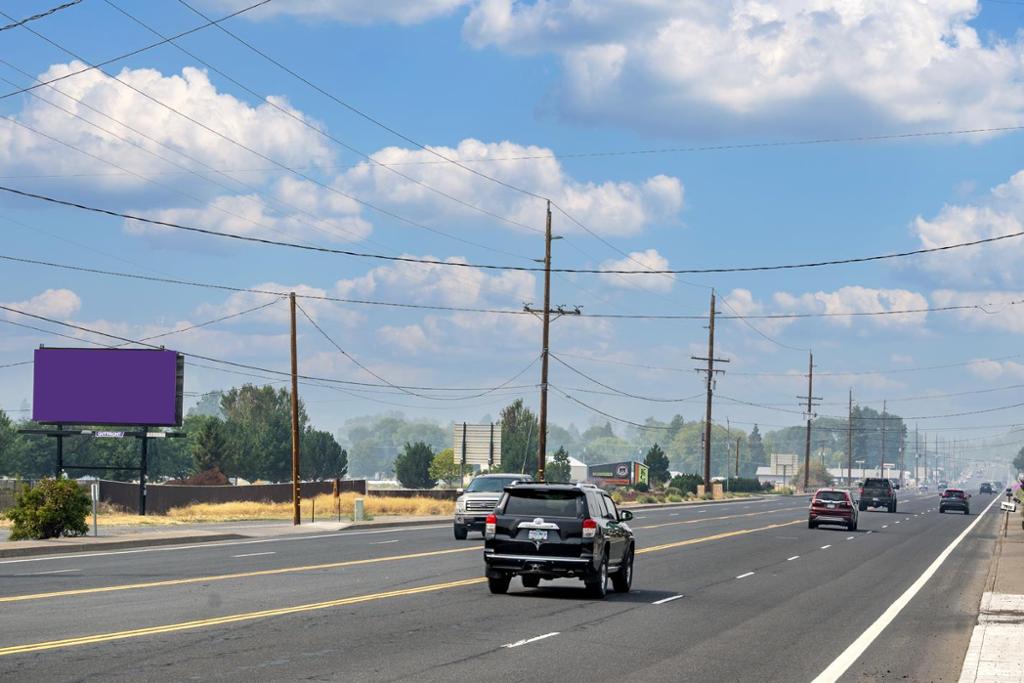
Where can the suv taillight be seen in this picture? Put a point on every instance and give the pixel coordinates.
(862, 491)
(589, 528)
(491, 526)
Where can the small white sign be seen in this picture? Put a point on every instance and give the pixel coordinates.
(109, 435)
(1008, 506)
(95, 490)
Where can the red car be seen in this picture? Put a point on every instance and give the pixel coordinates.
(832, 506)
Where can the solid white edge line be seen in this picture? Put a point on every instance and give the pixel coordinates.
(850, 655)
(849, 538)
(54, 571)
(826, 547)
(531, 640)
(664, 600)
(795, 557)
(743, 576)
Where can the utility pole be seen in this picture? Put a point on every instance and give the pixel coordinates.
(811, 398)
(296, 493)
(738, 457)
(885, 419)
(710, 370)
(542, 437)
(849, 442)
(899, 459)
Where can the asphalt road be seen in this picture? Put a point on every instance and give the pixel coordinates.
(763, 598)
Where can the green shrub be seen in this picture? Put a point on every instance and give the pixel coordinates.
(687, 483)
(648, 499)
(641, 487)
(745, 485)
(673, 498)
(51, 508)
(672, 491)
(617, 496)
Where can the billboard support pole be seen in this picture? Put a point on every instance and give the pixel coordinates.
(462, 463)
(143, 465)
(296, 493)
(60, 453)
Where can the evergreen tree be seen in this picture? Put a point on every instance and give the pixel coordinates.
(657, 464)
(755, 447)
(558, 471)
(412, 466)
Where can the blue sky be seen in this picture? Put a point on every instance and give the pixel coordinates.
(503, 79)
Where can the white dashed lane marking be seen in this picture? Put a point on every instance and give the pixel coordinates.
(743, 576)
(664, 600)
(271, 552)
(790, 559)
(526, 641)
(826, 547)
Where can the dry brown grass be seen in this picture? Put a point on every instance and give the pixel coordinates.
(325, 508)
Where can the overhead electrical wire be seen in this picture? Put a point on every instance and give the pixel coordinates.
(486, 266)
(40, 15)
(126, 55)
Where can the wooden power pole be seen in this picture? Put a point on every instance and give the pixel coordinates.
(296, 493)
(849, 442)
(811, 398)
(710, 370)
(542, 437)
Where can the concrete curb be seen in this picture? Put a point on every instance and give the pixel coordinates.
(80, 547)
(371, 525)
(654, 506)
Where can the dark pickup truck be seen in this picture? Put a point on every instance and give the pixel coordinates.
(551, 531)
(877, 493)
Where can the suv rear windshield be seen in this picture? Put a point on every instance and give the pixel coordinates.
(877, 484)
(529, 503)
(953, 493)
(490, 484)
(830, 495)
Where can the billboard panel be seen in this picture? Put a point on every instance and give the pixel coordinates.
(482, 443)
(108, 387)
(617, 473)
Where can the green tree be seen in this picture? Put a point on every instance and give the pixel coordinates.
(558, 471)
(755, 447)
(519, 437)
(258, 425)
(657, 464)
(819, 476)
(209, 444)
(322, 456)
(1018, 462)
(445, 468)
(412, 466)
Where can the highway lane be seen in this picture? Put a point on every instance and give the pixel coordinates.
(776, 614)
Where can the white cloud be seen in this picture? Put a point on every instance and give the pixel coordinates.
(640, 261)
(278, 314)
(424, 283)
(409, 339)
(742, 302)
(53, 303)
(291, 208)
(262, 128)
(1000, 213)
(856, 299)
(348, 11)
(990, 370)
(610, 208)
(714, 65)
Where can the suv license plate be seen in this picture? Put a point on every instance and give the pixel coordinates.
(831, 506)
(538, 535)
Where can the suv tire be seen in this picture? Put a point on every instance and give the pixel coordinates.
(852, 526)
(499, 585)
(622, 580)
(599, 587)
(892, 506)
(862, 507)
(461, 532)
(530, 581)
(942, 510)
(812, 525)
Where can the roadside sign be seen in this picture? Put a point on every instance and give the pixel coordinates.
(94, 488)
(477, 444)
(1009, 506)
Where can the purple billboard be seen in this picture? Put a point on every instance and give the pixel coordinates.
(108, 387)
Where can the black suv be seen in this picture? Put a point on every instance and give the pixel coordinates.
(552, 531)
(985, 488)
(878, 493)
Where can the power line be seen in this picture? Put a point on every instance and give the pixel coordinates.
(270, 101)
(619, 392)
(487, 266)
(41, 15)
(126, 55)
(325, 186)
(367, 370)
(235, 364)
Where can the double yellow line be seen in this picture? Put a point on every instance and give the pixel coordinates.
(309, 607)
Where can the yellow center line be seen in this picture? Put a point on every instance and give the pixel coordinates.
(715, 519)
(705, 539)
(249, 616)
(231, 618)
(237, 575)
